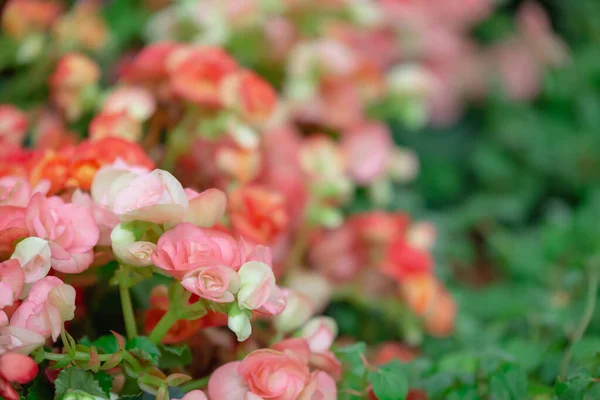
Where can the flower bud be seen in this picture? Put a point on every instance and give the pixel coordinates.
(239, 322)
(257, 282)
(320, 332)
(298, 310)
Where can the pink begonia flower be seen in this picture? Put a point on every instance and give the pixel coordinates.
(258, 290)
(12, 228)
(298, 309)
(313, 285)
(13, 125)
(299, 347)
(12, 280)
(194, 395)
(156, 196)
(368, 149)
(321, 386)
(49, 304)
(19, 340)
(295, 347)
(206, 208)
(215, 283)
(136, 101)
(34, 255)
(70, 229)
(136, 254)
(15, 368)
(187, 247)
(320, 332)
(105, 219)
(16, 191)
(265, 374)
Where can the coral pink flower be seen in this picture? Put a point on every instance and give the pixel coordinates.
(258, 213)
(12, 280)
(70, 229)
(12, 228)
(49, 304)
(150, 64)
(197, 74)
(251, 95)
(187, 247)
(117, 124)
(214, 283)
(390, 351)
(404, 260)
(18, 368)
(368, 149)
(206, 208)
(16, 191)
(25, 17)
(321, 386)
(13, 125)
(264, 373)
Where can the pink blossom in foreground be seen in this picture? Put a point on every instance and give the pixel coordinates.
(15, 368)
(12, 280)
(187, 247)
(70, 230)
(49, 304)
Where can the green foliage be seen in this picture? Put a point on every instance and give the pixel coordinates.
(174, 356)
(389, 381)
(143, 348)
(76, 379)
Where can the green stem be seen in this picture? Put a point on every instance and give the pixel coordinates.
(588, 313)
(163, 326)
(126, 305)
(195, 384)
(79, 356)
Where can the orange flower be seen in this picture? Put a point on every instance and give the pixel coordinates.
(198, 72)
(254, 97)
(54, 168)
(428, 298)
(390, 351)
(117, 124)
(23, 17)
(258, 213)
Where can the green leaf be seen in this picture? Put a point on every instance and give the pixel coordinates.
(354, 370)
(40, 389)
(510, 383)
(572, 389)
(73, 378)
(106, 343)
(174, 356)
(142, 346)
(105, 381)
(389, 382)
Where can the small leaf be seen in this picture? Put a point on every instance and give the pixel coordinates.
(177, 379)
(142, 346)
(389, 382)
(120, 340)
(112, 362)
(174, 356)
(71, 379)
(108, 344)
